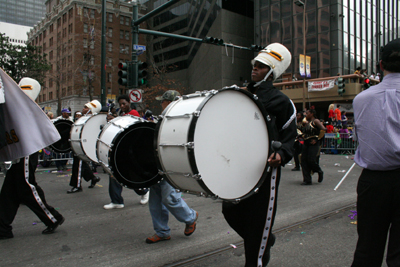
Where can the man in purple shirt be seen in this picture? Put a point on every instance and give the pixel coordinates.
(377, 127)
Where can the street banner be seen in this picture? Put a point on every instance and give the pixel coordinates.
(302, 66)
(321, 85)
(308, 66)
(27, 128)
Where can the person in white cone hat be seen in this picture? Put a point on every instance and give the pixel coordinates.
(253, 217)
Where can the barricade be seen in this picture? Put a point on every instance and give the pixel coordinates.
(48, 157)
(339, 143)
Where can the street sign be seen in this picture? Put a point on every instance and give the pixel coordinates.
(139, 49)
(136, 95)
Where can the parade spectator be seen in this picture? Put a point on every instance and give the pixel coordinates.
(298, 143)
(331, 116)
(338, 115)
(358, 70)
(372, 76)
(377, 127)
(329, 127)
(344, 119)
(50, 115)
(378, 76)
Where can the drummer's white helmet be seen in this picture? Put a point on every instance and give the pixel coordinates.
(276, 56)
(30, 86)
(94, 106)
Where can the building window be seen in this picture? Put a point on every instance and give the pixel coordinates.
(44, 97)
(121, 20)
(92, 60)
(109, 60)
(51, 28)
(126, 49)
(51, 55)
(69, 90)
(127, 21)
(92, 44)
(121, 34)
(50, 95)
(110, 47)
(121, 48)
(84, 43)
(63, 92)
(44, 47)
(84, 90)
(92, 13)
(127, 35)
(110, 17)
(110, 31)
(51, 41)
(44, 34)
(59, 22)
(109, 78)
(85, 27)
(109, 90)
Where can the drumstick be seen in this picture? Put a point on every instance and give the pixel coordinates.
(344, 177)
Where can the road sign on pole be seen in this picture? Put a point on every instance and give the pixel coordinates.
(136, 95)
(139, 49)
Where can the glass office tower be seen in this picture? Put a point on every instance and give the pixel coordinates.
(340, 34)
(26, 12)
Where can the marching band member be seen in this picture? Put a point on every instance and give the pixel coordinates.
(114, 188)
(20, 184)
(164, 199)
(253, 217)
(313, 132)
(81, 168)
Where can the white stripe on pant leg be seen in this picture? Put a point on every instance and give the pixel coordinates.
(267, 226)
(79, 176)
(35, 193)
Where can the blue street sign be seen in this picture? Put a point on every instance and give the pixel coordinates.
(139, 49)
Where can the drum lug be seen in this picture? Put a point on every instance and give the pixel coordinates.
(197, 177)
(214, 197)
(255, 97)
(256, 190)
(196, 113)
(236, 201)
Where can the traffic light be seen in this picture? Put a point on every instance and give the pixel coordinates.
(142, 73)
(125, 74)
(341, 86)
(367, 83)
(256, 48)
(212, 40)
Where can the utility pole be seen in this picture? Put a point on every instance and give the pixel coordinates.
(103, 53)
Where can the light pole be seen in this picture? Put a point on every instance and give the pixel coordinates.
(303, 4)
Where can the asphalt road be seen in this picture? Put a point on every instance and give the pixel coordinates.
(92, 236)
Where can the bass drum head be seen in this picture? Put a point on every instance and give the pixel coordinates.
(133, 158)
(64, 128)
(90, 133)
(231, 144)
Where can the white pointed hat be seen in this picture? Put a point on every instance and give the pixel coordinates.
(276, 56)
(94, 106)
(30, 86)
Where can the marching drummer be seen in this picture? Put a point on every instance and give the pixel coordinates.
(164, 199)
(253, 217)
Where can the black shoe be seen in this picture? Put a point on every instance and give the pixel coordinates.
(6, 236)
(51, 229)
(95, 180)
(306, 183)
(74, 190)
(267, 253)
(320, 176)
(295, 169)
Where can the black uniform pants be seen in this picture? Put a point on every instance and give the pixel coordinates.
(297, 151)
(378, 213)
(20, 187)
(80, 169)
(248, 218)
(309, 160)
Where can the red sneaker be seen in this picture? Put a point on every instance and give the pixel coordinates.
(189, 229)
(155, 238)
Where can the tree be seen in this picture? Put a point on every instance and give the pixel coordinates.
(22, 61)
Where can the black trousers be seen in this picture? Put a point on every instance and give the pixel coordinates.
(378, 213)
(248, 218)
(20, 187)
(80, 169)
(309, 160)
(298, 147)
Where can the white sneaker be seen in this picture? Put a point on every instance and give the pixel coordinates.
(113, 206)
(145, 198)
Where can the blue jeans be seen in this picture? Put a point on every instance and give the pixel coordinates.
(115, 192)
(164, 198)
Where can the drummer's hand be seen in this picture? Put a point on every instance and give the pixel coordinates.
(274, 162)
(110, 117)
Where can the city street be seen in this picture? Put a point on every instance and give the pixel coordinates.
(92, 236)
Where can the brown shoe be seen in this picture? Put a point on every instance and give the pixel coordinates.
(155, 238)
(189, 229)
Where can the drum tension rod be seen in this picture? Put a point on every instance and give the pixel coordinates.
(189, 145)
